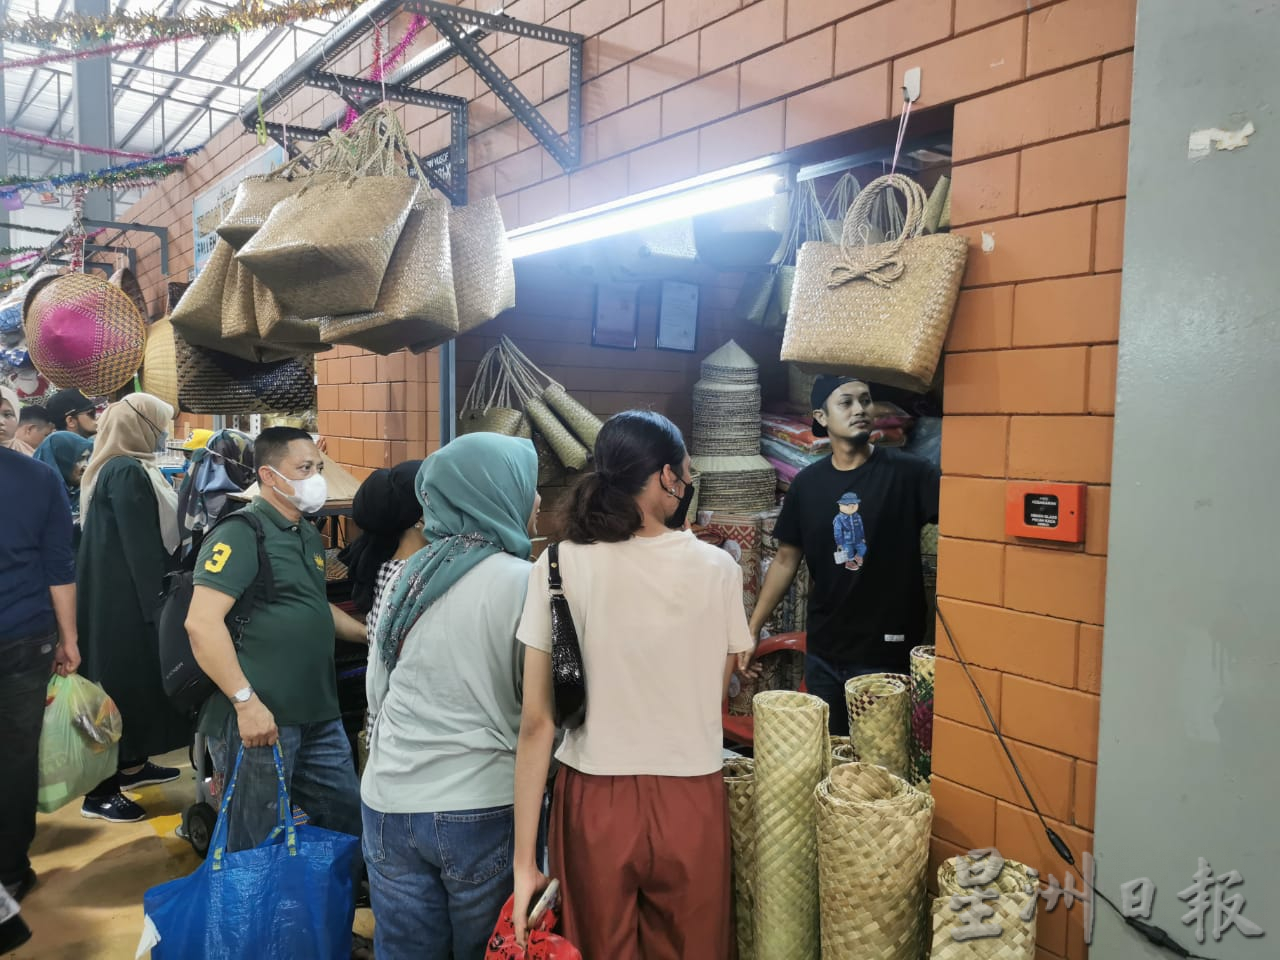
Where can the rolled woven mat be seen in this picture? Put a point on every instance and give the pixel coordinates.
(922, 662)
(1017, 940)
(566, 446)
(843, 751)
(740, 785)
(880, 720)
(873, 856)
(792, 756)
(584, 424)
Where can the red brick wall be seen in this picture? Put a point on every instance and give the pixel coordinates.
(1041, 91)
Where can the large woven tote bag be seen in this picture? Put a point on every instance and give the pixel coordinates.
(881, 310)
(256, 197)
(218, 383)
(484, 278)
(324, 250)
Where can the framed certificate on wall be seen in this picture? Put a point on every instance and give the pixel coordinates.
(616, 319)
(678, 317)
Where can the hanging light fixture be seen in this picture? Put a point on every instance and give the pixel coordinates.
(688, 198)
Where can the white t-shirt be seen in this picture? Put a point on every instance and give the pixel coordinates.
(656, 618)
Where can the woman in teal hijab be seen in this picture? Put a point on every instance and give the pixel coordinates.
(444, 686)
(68, 453)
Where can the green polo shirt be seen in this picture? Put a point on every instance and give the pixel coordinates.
(287, 649)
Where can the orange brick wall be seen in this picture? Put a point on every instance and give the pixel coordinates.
(1041, 92)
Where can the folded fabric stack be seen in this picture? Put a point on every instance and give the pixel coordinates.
(788, 443)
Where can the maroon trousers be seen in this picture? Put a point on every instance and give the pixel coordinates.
(644, 867)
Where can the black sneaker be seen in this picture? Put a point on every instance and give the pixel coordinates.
(22, 887)
(14, 932)
(116, 809)
(149, 774)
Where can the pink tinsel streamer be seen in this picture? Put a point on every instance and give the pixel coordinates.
(71, 145)
(63, 55)
(382, 66)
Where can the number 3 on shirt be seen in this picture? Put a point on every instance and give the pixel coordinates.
(221, 552)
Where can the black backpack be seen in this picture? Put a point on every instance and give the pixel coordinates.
(185, 684)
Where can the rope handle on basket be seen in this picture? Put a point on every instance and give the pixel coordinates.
(886, 267)
(528, 368)
(380, 136)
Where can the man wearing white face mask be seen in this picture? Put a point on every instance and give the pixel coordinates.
(277, 683)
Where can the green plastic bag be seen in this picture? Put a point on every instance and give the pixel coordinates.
(79, 741)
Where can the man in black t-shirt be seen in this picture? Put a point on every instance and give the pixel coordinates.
(855, 519)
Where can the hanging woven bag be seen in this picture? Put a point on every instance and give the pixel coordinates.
(218, 383)
(879, 311)
(324, 250)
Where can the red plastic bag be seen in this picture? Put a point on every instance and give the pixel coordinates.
(543, 944)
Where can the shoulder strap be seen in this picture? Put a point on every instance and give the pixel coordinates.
(554, 581)
(265, 583)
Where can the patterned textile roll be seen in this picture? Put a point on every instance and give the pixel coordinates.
(922, 664)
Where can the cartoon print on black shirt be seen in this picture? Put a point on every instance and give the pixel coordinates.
(851, 536)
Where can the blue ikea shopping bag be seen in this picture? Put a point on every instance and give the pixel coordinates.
(289, 898)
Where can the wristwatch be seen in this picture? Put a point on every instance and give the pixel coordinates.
(242, 695)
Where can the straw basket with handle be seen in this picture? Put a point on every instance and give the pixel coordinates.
(160, 363)
(416, 303)
(488, 405)
(876, 310)
(257, 196)
(571, 434)
(325, 249)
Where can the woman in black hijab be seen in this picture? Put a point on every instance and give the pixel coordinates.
(387, 511)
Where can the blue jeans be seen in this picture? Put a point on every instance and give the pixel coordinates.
(826, 680)
(437, 880)
(25, 666)
(318, 771)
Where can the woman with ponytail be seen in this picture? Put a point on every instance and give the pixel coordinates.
(639, 835)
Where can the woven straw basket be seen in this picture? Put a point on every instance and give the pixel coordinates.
(276, 325)
(416, 303)
(255, 198)
(792, 756)
(1017, 939)
(740, 785)
(880, 720)
(879, 311)
(325, 250)
(873, 858)
(484, 279)
(503, 420)
(160, 363)
(83, 332)
(197, 316)
(217, 383)
(922, 670)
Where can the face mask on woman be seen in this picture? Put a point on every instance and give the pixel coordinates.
(677, 520)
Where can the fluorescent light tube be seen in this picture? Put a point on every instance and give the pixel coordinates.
(617, 218)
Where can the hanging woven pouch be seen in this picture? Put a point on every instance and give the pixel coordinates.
(217, 383)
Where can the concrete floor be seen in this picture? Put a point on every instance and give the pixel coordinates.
(88, 902)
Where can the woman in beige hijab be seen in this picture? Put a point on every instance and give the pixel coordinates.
(10, 410)
(129, 514)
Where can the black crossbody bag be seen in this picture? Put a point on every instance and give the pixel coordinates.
(568, 679)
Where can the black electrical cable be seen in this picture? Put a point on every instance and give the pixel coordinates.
(1152, 933)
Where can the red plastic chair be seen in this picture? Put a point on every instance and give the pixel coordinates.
(740, 731)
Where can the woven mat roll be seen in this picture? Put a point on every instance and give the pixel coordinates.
(1017, 940)
(873, 856)
(740, 785)
(843, 751)
(793, 755)
(880, 720)
(921, 717)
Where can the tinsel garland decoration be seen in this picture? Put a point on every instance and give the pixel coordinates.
(381, 67)
(71, 145)
(13, 251)
(75, 29)
(61, 56)
(135, 173)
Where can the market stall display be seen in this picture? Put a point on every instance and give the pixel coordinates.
(792, 756)
(873, 856)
